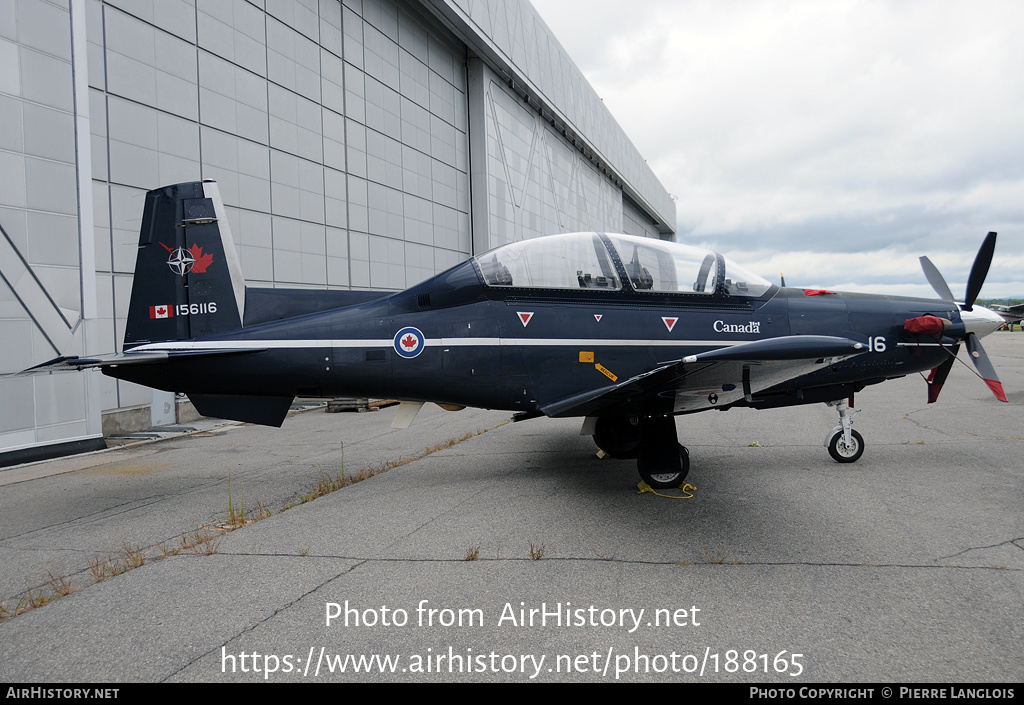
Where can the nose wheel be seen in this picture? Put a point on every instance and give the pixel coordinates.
(843, 451)
(844, 444)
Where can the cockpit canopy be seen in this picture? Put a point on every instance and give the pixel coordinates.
(613, 262)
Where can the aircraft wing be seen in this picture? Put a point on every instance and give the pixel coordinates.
(1011, 314)
(713, 378)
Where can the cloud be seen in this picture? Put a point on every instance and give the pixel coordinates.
(843, 128)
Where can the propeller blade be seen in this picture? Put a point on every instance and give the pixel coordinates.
(980, 270)
(938, 376)
(931, 273)
(984, 365)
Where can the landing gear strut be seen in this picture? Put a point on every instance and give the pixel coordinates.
(844, 444)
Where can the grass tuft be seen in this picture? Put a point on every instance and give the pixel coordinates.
(60, 585)
(100, 569)
(134, 556)
(328, 484)
(717, 558)
(203, 541)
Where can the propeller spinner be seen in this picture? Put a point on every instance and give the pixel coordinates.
(978, 321)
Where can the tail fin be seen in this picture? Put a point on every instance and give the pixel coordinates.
(188, 278)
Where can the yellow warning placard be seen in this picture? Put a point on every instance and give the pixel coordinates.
(605, 371)
(586, 356)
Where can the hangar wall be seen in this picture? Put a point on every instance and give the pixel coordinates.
(357, 143)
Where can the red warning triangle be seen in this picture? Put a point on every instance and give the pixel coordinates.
(525, 317)
(598, 316)
(670, 323)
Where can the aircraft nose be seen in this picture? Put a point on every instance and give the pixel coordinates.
(981, 321)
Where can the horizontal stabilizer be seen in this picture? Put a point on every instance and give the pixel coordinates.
(74, 363)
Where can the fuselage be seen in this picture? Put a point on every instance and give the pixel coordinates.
(467, 343)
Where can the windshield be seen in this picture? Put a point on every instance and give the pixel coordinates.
(581, 261)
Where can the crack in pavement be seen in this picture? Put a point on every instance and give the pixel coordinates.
(810, 564)
(255, 625)
(945, 433)
(1011, 542)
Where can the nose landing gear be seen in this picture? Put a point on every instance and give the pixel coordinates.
(844, 444)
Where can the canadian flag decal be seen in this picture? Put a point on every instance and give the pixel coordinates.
(670, 323)
(161, 311)
(525, 316)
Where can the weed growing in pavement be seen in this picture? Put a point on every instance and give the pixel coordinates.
(202, 542)
(328, 484)
(60, 585)
(235, 518)
(718, 557)
(205, 542)
(133, 556)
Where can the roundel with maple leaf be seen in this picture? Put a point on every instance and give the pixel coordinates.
(409, 342)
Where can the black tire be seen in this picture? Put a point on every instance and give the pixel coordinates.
(648, 464)
(617, 437)
(843, 454)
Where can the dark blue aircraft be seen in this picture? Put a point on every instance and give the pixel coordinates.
(626, 332)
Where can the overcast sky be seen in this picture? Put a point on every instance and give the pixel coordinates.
(833, 141)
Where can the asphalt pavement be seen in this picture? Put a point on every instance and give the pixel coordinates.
(492, 551)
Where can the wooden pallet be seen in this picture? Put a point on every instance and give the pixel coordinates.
(357, 404)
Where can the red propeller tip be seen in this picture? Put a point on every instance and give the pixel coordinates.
(997, 388)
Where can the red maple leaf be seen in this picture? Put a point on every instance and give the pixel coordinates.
(408, 341)
(202, 261)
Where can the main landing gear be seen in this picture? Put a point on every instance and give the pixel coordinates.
(662, 461)
(844, 444)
